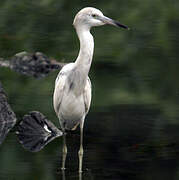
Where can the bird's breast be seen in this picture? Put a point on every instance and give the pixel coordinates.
(72, 107)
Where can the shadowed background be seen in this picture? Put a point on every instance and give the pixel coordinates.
(131, 131)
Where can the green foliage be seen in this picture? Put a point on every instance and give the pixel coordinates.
(136, 66)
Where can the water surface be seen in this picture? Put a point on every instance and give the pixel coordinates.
(123, 142)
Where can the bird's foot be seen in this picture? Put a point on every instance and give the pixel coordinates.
(63, 168)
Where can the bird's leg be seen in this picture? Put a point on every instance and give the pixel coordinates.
(80, 152)
(64, 152)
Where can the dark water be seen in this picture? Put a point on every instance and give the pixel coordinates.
(120, 142)
(131, 131)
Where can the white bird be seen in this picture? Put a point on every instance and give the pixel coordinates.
(72, 93)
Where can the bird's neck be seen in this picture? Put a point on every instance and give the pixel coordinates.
(81, 69)
(84, 59)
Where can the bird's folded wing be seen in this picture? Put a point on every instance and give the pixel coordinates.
(87, 95)
(59, 90)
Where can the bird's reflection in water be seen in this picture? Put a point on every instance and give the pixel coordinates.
(77, 175)
(65, 175)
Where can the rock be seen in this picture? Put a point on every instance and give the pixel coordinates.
(7, 116)
(35, 131)
(36, 64)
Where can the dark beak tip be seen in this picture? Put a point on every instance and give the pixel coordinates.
(121, 25)
(125, 27)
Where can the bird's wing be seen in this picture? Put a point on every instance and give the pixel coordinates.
(87, 95)
(59, 90)
(60, 86)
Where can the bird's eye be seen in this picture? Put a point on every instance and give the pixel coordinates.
(94, 15)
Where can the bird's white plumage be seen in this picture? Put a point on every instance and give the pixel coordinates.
(72, 94)
(69, 106)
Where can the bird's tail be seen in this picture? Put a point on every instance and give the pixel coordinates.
(35, 131)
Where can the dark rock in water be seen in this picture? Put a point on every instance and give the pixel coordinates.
(36, 64)
(35, 131)
(7, 116)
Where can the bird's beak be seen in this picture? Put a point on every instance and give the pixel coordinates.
(110, 21)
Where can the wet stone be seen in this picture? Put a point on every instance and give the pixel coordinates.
(35, 64)
(35, 131)
(7, 116)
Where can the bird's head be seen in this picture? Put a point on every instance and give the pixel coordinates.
(89, 17)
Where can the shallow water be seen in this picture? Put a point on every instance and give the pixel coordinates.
(121, 143)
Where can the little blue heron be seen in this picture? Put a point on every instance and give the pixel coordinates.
(72, 93)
